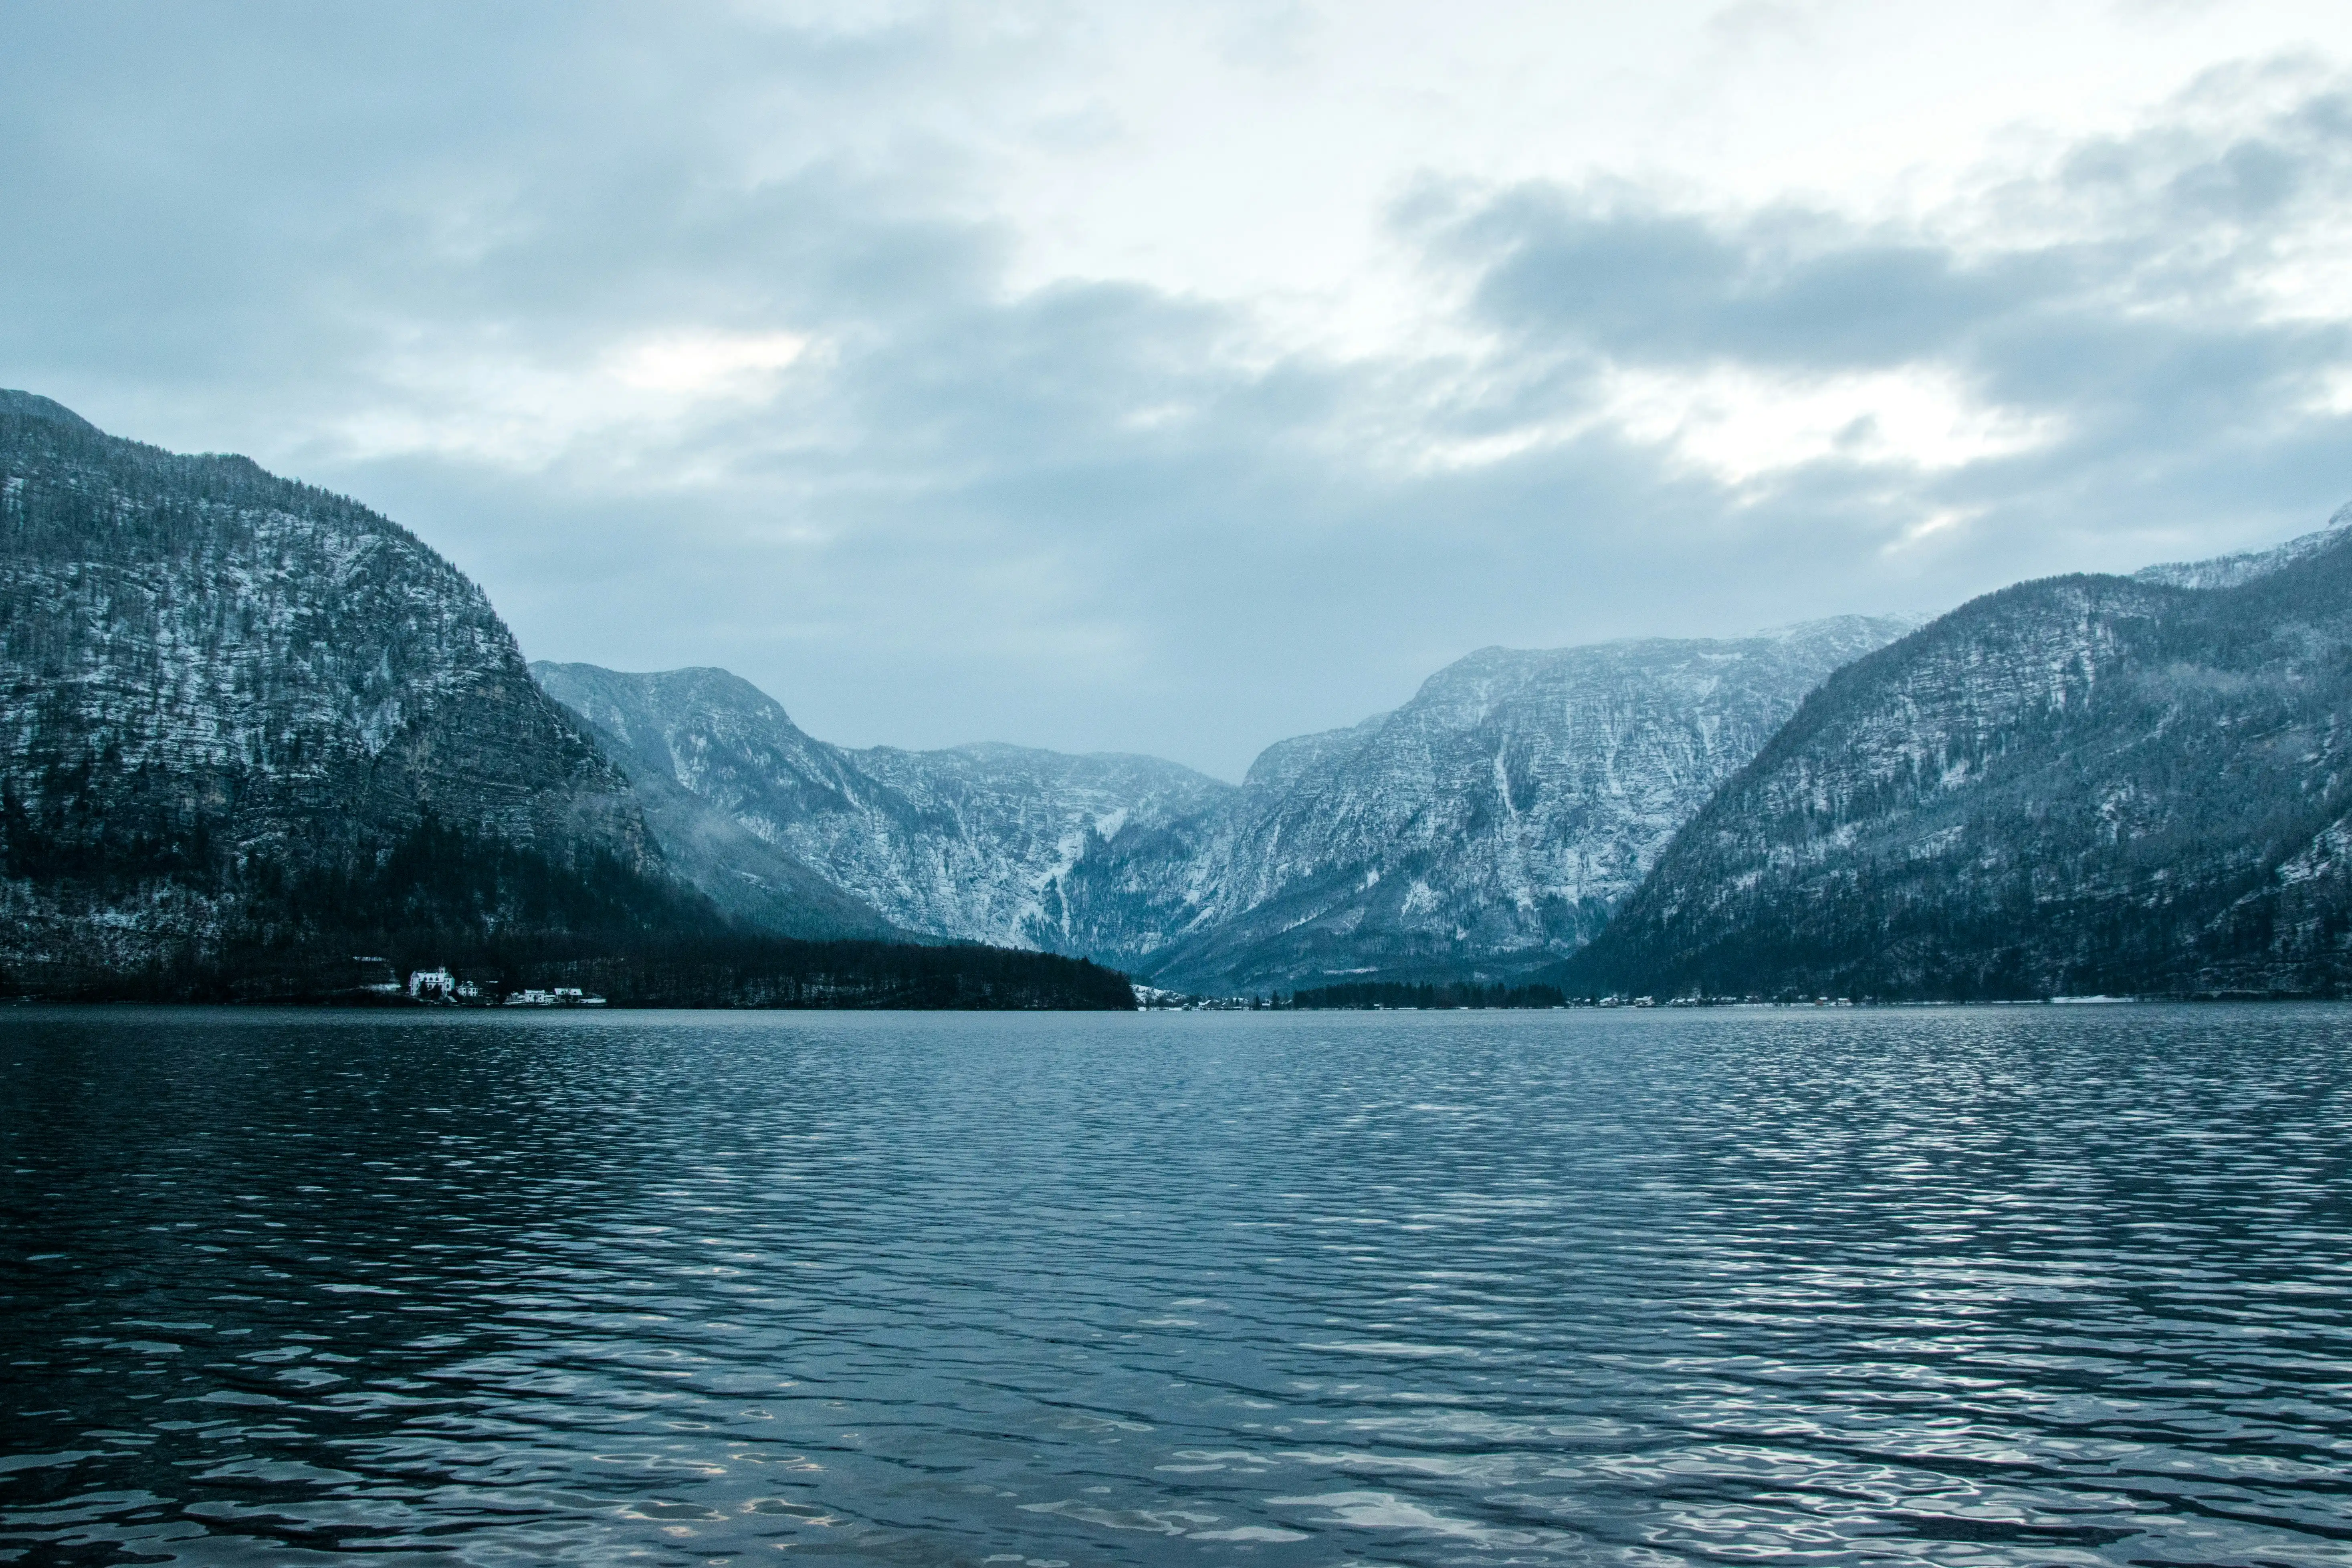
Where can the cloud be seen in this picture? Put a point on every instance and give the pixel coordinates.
(2136, 314)
(698, 343)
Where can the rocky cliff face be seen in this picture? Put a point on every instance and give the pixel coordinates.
(961, 843)
(212, 679)
(2079, 785)
(1486, 827)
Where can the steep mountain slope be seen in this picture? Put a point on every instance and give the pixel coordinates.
(1486, 827)
(2082, 785)
(744, 876)
(209, 674)
(954, 844)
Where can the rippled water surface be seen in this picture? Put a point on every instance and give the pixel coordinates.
(2019, 1285)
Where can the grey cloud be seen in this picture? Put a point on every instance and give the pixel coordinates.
(2164, 215)
(1672, 287)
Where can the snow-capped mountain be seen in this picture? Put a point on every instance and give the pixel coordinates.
(2077, 785)
(1490, 822)
(1487, 826)
(964, 843)
(226, 691)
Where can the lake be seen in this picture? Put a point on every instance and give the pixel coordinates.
(2050, 1284)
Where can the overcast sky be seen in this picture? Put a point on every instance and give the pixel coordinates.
(1177, 378)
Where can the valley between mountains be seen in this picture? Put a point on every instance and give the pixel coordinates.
(252, 728)
(1483, 829)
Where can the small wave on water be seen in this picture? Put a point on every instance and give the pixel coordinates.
(1952, 1287)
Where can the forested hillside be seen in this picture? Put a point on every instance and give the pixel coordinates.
(250, 730)
(2087, 785)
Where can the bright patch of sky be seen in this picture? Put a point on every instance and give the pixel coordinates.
(1177, 378)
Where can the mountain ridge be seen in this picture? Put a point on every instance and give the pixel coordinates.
(950, 844)
(2245, 565)
(1183, 878)
(1484, 828)
(2076, 784)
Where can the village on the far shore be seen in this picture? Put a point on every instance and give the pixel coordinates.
(444, 987)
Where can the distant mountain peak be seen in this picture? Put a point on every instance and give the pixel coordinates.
(1484, 827)
(963, 843)
(1834, 625)
(1280, 764)
(1488, 821)
(702, 685)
